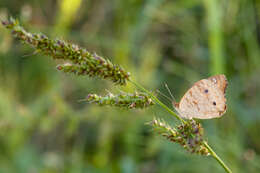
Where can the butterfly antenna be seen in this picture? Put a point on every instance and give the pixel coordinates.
(173, 99)
(164, 95)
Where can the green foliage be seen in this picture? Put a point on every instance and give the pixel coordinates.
(44, 129)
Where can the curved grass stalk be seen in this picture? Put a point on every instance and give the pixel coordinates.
(158, 101)
(213, 154)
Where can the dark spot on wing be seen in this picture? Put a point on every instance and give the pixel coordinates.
(206, 90)
(214, 103)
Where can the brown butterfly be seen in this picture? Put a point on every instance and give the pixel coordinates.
(205, 99)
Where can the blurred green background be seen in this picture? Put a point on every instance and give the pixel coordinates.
(43, 127)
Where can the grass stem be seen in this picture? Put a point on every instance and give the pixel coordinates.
(220, 161)
(158, 101)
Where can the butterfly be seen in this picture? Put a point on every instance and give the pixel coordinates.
(205, 99)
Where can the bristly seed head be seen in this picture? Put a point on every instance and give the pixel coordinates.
(189, 135)
(123, 100)
(82, 62)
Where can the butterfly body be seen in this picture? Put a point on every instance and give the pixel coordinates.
(205, 99)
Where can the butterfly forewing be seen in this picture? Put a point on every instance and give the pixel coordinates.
(205, 99)
(220, 81)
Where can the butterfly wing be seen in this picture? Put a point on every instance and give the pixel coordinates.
(205, 99)
(220, 81)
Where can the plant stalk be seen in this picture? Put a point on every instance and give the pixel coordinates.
(158, 101)
(213, 154)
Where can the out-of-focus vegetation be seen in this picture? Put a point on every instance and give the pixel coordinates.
(43, 127)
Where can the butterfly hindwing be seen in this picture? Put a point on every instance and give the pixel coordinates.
(205, 99)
